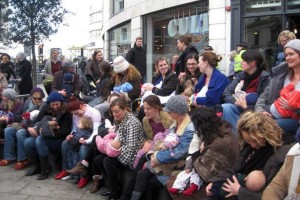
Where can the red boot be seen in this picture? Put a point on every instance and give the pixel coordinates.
(82, 182)
(189, 192)
(61, 174)
(173, 190)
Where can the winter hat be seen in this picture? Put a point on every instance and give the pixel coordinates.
(294, 44)
(298, 135)
(68, 77)
(9, 93)
(251, 98)
(120, 64)
(55, 96)
(177, 104)
(67, 63)
(39, 90)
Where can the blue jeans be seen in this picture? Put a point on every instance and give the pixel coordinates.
(231, 113)
(288, 125)
(69, 157)
(42, 146)
(12, 136)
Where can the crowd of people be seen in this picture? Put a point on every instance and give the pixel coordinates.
(198, 134)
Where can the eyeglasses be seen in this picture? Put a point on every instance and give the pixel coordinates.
(35, 98)
(191, 64)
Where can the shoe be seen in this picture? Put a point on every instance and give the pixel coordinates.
(61, 174)
(78, 169)
(106, 193)
(6, 162)
(96, 183)
(82, 182)
(45, 168)
(22, 164)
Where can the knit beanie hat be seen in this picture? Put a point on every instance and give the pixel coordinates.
(55, 96)
(67, 63)
(9, 93)
(68, 77)
(294, 44)
(39, 90)
(120, 64)
(177, 104)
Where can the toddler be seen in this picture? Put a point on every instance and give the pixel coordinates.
(292, 95)
(84, 131)
(124, 88)
(68, 84)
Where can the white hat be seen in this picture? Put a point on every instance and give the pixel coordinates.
(120, 64)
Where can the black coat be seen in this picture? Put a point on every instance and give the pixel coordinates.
(168, 86)
(180, 64)
(24, 72)
(137, 57)
(7, 69)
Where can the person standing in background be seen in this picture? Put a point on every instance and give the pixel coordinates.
(6, 66)
(51, 67)
(184, 45)
(137, 57)
(241, 48)
(24, 73)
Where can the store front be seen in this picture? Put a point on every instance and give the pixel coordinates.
(262, 21)
(164, 27)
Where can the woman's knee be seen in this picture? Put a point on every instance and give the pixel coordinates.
(22, 134)
(10, 132)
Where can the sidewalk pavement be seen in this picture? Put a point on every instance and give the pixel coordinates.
(15, 186)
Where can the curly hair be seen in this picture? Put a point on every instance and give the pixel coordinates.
(131, 74)
(259, 126)
(207, 124)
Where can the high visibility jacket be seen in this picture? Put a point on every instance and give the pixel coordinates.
(237, 61)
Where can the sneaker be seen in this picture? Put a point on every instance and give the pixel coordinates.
(61, 174)
(82, 182)
(22, 164)
(78, 169)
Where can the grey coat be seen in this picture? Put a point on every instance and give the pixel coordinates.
(272, 92)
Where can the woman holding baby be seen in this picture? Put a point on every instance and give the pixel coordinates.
(250, 83)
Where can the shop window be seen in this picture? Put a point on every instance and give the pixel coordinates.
(256, 6)
(293, 4)
(262, 32)
(119, 43)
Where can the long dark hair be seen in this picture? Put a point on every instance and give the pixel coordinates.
(194, 56)
(207, 124)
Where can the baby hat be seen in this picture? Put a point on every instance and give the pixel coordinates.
(68, 77)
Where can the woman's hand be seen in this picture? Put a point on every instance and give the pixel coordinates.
(241, 102)
(32, 132)
(181, 77)
(149, 87)
(231, 187)
(4, 118)
(207, 189)
(68, 138)
(111, 129)
(267, 114)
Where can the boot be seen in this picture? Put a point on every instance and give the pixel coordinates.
(136, 195)
(96, 183)
(35, 167)
(78, 169)
(45, 168)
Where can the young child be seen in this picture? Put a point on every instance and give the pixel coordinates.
(188, 175)
(84, 131)
(254, 182)
(124, 88)
(292, 95)
(68, 83)
(109, 144)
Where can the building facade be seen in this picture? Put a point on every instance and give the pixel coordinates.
(160, 22)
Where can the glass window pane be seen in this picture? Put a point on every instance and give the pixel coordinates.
(293, 4)
(255, 6)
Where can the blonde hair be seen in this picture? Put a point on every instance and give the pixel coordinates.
(287, 34)
(86, 122)
(259, 126)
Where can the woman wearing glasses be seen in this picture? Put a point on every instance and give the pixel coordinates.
(283, 38)
(189, 78)
(14, 136)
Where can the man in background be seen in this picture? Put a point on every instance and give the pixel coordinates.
(137, 57)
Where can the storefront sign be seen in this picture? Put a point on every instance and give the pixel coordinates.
(188, 25)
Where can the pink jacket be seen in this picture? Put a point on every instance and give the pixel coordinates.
(293, 96)
(103, 145)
